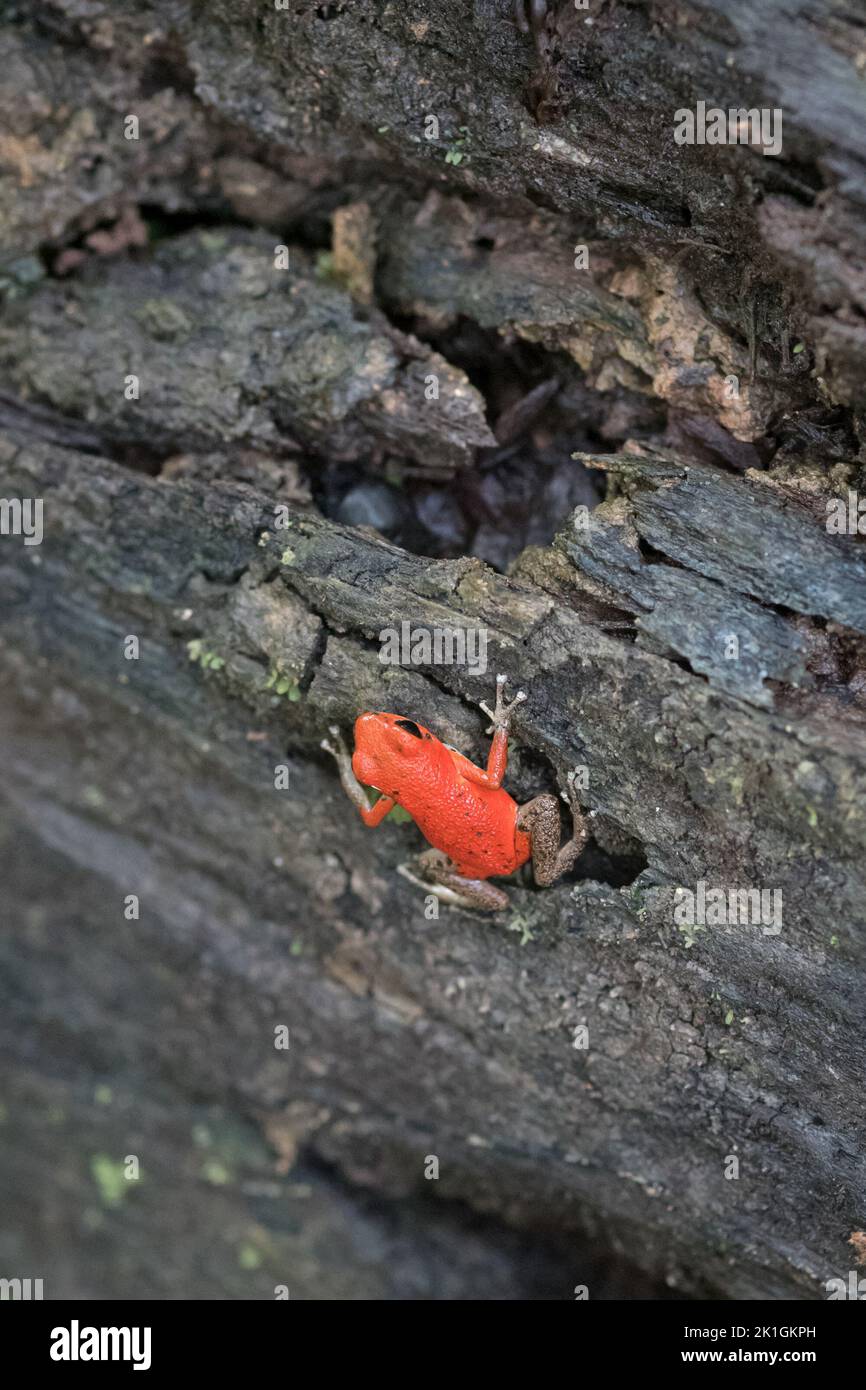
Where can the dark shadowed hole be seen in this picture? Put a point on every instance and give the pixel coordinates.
(516, 493)
(138, 457)
(612, 855)
(167, 67)
(430, 1235)
(617, 869)
(163, 222)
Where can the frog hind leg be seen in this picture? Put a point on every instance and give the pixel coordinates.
(436, 873)
(539, 819)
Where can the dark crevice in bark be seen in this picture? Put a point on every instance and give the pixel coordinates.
(551, 1262)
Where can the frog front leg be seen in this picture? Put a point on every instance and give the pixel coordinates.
(435, 872)
(370, 815)
(497, 758)
(539, 818)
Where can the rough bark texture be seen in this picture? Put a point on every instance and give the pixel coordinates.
(184, 515)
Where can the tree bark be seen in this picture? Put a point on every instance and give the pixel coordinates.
(694, 642)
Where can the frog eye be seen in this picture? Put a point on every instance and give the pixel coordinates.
(410, 727)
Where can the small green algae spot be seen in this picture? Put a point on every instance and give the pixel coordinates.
(110, 1178)
(325, 267)
(209, 661)
(103, 1095)
(519, 923)
(689, 931)
(213, 241)
(456, 153)
(163, 319)
(216, 1173)
(636, 899)
(283, 685)
(288, 556)
(249, 1257)
(729, 1018)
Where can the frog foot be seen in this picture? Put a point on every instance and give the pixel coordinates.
(501, 712)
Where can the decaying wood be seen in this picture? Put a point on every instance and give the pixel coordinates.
(709, 786)
(695, 643)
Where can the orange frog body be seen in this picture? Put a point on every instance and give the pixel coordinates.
(476, 829)
(474, 824)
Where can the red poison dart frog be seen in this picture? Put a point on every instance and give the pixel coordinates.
(476, 829)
